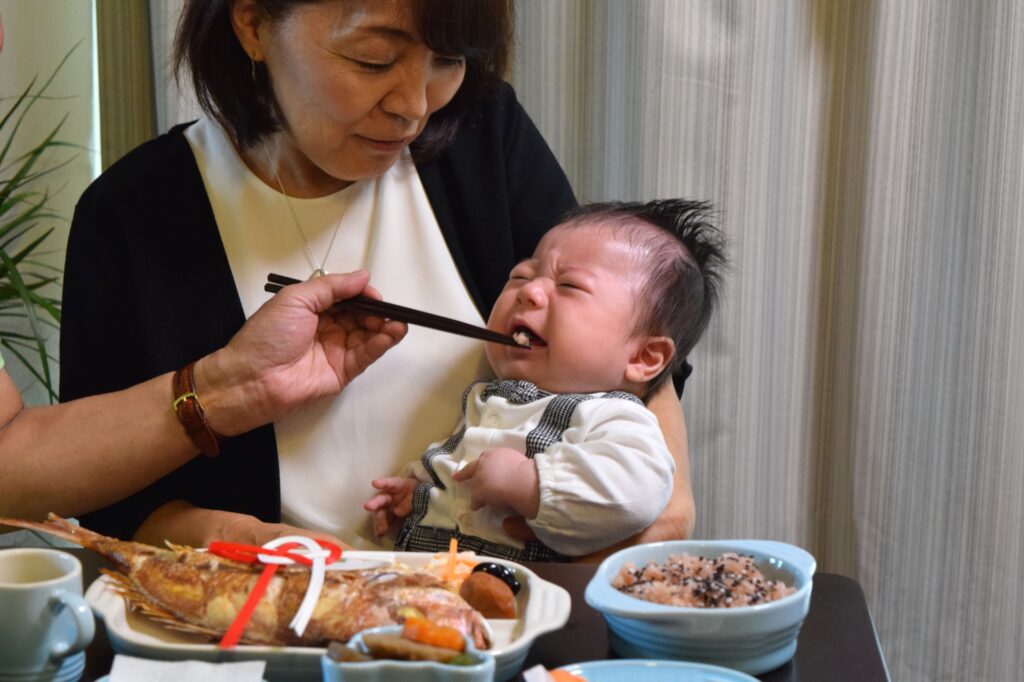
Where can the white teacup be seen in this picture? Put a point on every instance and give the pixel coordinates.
(44, 621)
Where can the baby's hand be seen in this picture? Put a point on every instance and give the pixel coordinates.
(392, 501)
(503, 478)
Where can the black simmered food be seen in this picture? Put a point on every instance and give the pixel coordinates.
(502, 572)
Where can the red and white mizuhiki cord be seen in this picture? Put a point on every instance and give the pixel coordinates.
(278, 552)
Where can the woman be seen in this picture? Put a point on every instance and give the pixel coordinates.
(342, 135)
(294, 351)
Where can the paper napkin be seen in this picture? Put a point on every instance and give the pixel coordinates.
(131, 669)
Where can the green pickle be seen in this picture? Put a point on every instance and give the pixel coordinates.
(463, 659)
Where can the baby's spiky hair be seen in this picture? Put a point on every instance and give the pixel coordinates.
(682, 254)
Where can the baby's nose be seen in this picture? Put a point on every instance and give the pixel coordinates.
(533, 293)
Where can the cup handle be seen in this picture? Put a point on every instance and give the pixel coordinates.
(85, 626)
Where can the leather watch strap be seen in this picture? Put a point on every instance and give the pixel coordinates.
(190, 412)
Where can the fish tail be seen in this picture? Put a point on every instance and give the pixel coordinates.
(54, 525)
(116, 551)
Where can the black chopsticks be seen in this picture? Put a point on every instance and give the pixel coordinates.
(370, 306)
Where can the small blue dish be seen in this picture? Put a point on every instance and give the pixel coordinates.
(407, 671)
(752, 639)
(629, 670)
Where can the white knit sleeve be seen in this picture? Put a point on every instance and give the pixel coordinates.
(608, 478)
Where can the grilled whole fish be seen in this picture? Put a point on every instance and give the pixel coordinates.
(202, 593)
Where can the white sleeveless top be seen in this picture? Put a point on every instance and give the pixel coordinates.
(408, 399)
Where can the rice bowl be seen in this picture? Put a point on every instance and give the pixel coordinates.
(752, 638)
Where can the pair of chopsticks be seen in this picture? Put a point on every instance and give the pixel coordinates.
(390, 311)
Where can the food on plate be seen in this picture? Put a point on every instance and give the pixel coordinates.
(200, 592)
(539, 673)
(504, 573)
(344, 653)
(727, 581)
(452, 566)
(420, 640)
(488, 586)
(383, 645)
(426, 632)
(489, 595)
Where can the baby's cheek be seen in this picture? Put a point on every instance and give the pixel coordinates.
(493, 357)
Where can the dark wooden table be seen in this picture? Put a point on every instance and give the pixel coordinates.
(837, 642)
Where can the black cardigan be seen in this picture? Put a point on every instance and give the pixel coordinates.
(148, 288)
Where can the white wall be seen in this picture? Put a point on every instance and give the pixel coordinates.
(37, 35)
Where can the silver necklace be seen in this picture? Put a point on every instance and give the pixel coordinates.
(318, 266)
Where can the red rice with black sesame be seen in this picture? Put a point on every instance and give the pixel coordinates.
(727, 581)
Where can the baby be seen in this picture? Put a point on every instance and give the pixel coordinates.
(612, 301)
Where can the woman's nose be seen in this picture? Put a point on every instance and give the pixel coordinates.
(408, 98)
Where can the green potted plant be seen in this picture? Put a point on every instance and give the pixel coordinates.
(29, 288)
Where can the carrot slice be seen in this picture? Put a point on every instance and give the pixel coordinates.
(423, 631)
(562, 676)
(453, 556)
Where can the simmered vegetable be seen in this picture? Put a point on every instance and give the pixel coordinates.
(425, 632)
(398, 647)
(491, 596)
(420, 640)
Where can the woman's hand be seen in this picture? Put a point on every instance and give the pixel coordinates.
(296, 349)
(676, 522)
(184, 524)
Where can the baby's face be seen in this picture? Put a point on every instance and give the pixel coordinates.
(575, 299)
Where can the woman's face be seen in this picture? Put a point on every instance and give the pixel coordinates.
(354, 84)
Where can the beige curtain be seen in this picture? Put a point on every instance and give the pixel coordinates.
(861, 392)
(125, 79)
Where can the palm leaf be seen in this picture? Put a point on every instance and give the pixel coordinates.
(29, 310)
(31, 301)
(44, 380)
(28, 98)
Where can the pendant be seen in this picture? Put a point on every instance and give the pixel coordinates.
(319, 272)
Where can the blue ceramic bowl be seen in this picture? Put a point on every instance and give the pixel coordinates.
(407, 671)
(752, 639)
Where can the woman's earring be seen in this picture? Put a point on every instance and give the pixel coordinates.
(252, 63)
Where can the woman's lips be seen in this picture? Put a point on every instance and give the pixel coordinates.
(385, 145)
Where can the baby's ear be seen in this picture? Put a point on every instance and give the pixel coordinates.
(651, 356)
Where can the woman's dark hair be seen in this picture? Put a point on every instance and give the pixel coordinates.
(240, 97)
(682, 255)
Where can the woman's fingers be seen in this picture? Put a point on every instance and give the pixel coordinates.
(327, 290)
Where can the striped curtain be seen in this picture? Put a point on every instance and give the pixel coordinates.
(861, 392)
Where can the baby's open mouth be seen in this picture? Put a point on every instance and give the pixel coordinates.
(525, 337)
